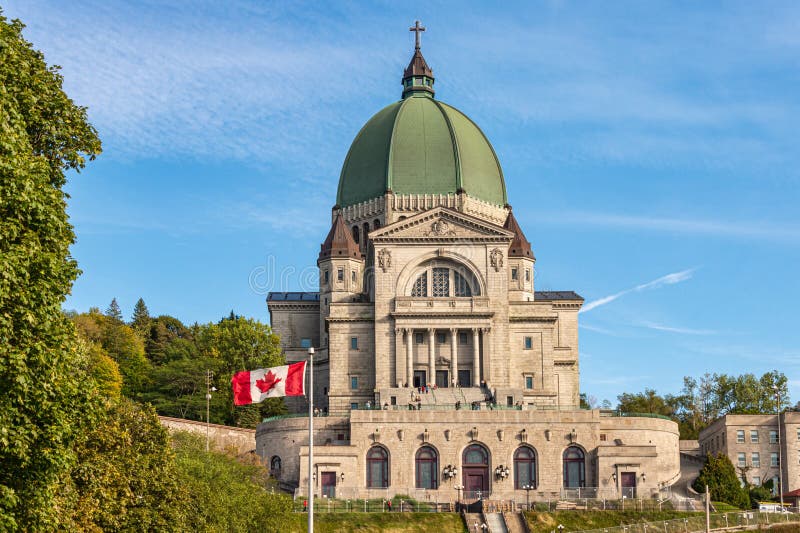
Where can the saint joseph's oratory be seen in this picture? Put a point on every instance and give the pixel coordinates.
(440, 371)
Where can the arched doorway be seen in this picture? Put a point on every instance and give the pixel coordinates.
(475, 471)
(574, 468)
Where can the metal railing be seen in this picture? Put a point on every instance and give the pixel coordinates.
(691, 524)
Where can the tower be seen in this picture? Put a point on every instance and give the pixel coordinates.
(520, 263)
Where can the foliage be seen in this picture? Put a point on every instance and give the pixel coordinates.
(544, 522)
(178, 389)
(226, 494)
(126, 478)
(141, 316)
(113, 311)
(162, 340)
(723, 483)
(761, 493)
(376, 522)
(46, 398)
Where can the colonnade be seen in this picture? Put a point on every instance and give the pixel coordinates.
(431, 363)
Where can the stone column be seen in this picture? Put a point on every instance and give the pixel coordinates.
(432, 356)
(487, 356)
(409, 357)
(476, 358)
(454, 356)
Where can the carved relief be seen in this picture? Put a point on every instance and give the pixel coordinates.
(441, 228)
(496, 259)
(385, 259)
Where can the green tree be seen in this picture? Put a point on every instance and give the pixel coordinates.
(720, 476)
(178, 388)
(242, 344)
(168, 338)
(47, 398)
(126, 478)
(113, 311)
(141, 316)
(645, 402)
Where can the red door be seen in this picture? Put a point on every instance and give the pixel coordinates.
(628, 481)
(328, 480)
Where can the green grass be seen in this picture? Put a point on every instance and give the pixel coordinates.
(580, 520)
(722, 507)
(377, 522)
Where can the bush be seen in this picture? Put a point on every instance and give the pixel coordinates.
(723, 483)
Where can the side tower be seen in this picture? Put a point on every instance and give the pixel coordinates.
(520, 263)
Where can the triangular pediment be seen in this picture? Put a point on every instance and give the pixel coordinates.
(441, 224)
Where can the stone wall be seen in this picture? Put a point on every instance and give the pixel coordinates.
(239, 440)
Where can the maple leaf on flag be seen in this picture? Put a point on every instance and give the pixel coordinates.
(269, 381)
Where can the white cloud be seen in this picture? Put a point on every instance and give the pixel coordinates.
(669, 279)
(680, 330)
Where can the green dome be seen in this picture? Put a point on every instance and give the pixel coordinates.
(420, 146)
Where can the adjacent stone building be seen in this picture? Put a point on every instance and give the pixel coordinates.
(439, 367)
(761, 447)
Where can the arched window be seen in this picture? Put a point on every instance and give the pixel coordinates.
(524, 468)
(376, 224)
(574, 468)
(366, 230)
(377, 468)
(475, 454)
(355, 234)
(275, 466)
(427, 468)
(441, 281)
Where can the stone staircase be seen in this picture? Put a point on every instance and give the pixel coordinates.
(440, 398)
(495, 522)
(515, 522)
(473, 521)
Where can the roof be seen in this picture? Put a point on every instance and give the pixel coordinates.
(520, 247)
(557, 295)
(419, 145)
(293, 297)
(339, 242)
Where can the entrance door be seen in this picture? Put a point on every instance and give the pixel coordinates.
(465, 378)
(441, 378)
(419, 378)
(475, 468)
(628, 481)
(328, 480)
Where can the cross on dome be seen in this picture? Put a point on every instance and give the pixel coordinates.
(417, 29)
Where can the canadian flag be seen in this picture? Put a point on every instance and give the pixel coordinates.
(253, 386)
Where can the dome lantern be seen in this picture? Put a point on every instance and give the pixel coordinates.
(418, 77)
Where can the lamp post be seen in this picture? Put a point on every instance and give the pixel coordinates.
(209, 389)
(780, 458)
(528, 488)
(458, 490)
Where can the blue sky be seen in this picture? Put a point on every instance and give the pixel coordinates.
(650, 149)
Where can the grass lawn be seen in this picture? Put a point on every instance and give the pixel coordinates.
(722, 507)
(579, 520)
(377, 522)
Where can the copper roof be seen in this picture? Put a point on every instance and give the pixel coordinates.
(417, 66)
(339, 242)
(520, 247)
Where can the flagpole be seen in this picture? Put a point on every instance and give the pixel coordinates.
(311, 440)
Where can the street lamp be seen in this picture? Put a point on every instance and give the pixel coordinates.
(780, 458)
(209, 389)
(458, 489)
(528, 488)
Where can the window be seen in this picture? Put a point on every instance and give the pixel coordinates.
(798, 434)
(773, 437)
(757, 481)
(475, 454)
(510, 401)
(742, 457)
(355, 234)
(275, 466)
(354, 343)
(324, 391)
(574, 468)
(524, 468)
(754, 436)
(305, 343)
(441, 338)
(462, 337)
(376, 223)
(528, 343)
(461, 288)
(740, 436)
(603, 437)
(775, 485)
(527, 274)
(377, 468)
(427, 468)
(353, 276)
(441, 282)
(755, 458)
(353, 382)
(528, 382)
(354, 406)
(514, 274)
(340, 274)
(420, 288)
(773, 459)
(393, 400)
(325, 275)
(419, 338)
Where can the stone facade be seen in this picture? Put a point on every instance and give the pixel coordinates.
(758, 446)
(238, 440)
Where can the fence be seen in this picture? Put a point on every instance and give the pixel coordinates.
(698, 523)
